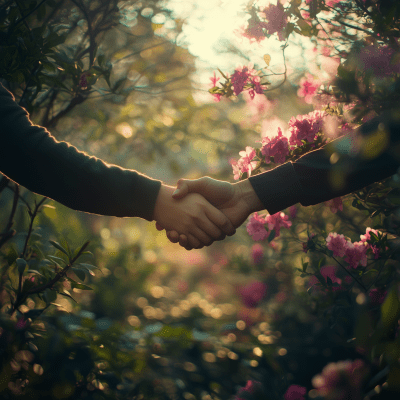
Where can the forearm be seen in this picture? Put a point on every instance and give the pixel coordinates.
(345, 165)
(30, 156)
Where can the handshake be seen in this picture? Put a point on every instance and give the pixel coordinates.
(201, 211)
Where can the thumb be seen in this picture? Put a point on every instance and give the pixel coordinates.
(182, 189)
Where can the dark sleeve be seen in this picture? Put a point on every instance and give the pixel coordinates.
(369, 154)
(30, 156)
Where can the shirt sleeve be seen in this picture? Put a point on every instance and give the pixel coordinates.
(369, 154)
(32, 157)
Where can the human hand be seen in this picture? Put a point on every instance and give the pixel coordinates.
(236, 201)
(191, 216)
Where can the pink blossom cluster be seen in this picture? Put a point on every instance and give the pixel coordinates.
(253, 293)
(295, 392)
(329, 271)
(308, 88)
(278, 147)
(260, 227)
(380, 60)
(335, 204)
(276, 20)
(341, 380)
(377, 296)
(246, 76)
(355, 253)
(305, 127)
(252, 390)
(244, 164)
(254, 29)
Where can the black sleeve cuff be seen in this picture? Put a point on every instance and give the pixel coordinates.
(278, 188)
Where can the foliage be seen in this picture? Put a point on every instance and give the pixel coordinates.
(320, 289)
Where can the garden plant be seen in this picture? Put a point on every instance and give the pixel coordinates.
(313, 307)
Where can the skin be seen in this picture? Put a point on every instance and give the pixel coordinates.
(191, 216)
(236, 201)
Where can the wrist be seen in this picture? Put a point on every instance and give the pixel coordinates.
(164, 194)
(249, 196)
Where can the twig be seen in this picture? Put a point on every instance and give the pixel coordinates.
(21, 297)
(33, 215)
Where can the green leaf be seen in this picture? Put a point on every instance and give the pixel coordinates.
(12, 255)
(78, 285)
(50, 295)
(101, 59)
(59, 247)
(82, 286)
(390, 308)
(321, 261)
(33, 271)
(21, 265)
(89, 266)
(271, 236)
(67, 294)
(57, 260)
(79, 273)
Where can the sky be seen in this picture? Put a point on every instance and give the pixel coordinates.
(210, 23)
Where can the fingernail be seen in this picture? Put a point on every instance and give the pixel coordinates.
(176, 192)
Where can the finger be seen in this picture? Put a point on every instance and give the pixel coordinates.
(208, 235)
(183, 240)
(193, 242)
(173, 236)
(220, 221)
(159, 227)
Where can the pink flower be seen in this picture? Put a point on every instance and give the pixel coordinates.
(256, 227)
(356, 253)
(246, 76)
(293, 211)
(337, 243)
(244, 164)
(341, 380)
(277, 221)
(83, 81)
(257, 253)
(295, 392)
(254, 30)
(237, 171)
(305, 127)
(21, 324)
(375, 251)
(278, 148)
(329, 271)
(253, 293)
(247, 156)
(308, 88)
(367, 236)
(252, 390)
(239, 79)
(331, 3)
(380, 60)
(377, 296)
(214, 80)
(276, 20)
(335, 204)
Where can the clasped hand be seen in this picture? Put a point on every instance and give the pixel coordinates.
(211, 209)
